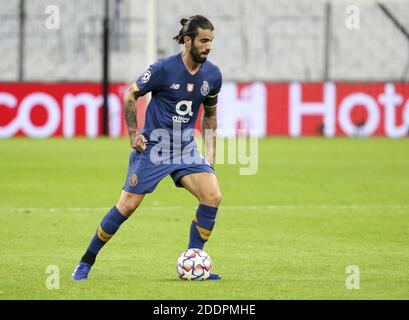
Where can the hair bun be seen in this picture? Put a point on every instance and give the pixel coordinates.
(183, 21)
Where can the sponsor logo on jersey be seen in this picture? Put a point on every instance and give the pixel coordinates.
(183, 108)
(204, 90)
(180, 119)
(190, 87)
(175, 86)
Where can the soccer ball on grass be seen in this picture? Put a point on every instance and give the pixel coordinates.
(194, 264)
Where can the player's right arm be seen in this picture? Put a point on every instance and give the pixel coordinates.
(149, 81)
(137, 139)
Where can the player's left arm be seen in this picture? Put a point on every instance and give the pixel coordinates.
(209, 126)
(209, 119)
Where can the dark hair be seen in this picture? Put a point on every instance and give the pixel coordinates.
(190, 26)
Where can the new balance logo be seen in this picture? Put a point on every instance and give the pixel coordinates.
(175, 86)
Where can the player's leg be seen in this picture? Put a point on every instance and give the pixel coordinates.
(118, 214)
(205, 187)
(143, 176)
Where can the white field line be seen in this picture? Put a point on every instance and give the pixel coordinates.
(223, 207)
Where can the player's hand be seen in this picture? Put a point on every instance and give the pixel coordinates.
(139, 142)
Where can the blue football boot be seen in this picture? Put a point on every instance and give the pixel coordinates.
(81, 271)
(214, 276)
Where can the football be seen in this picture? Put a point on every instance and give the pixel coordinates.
(194, 264)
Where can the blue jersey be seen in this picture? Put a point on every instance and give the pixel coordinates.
(176, 95)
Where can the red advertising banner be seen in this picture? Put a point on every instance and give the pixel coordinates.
(63, 109)
(261, 109)
(338, 109)
(328, 109)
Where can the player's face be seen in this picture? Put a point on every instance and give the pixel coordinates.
(202, 45)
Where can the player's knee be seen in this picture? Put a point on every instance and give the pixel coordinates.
(128, 203)
(218, 198)
(128, 206)
(127, 209)
(212, 199)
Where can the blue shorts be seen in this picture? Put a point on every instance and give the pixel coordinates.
(144, 174)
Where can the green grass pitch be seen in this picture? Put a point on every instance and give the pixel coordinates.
(315, 207)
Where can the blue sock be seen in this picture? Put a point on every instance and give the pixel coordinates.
(107, 228)
(202, 226)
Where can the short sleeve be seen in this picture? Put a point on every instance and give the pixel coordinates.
(217, 85)
(150, 80)
(211, 98)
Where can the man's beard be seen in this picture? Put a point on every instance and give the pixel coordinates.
(195, 54)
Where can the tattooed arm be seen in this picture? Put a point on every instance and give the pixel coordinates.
(209, 126)
(137, 139)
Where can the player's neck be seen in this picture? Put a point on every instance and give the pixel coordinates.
(189, 63)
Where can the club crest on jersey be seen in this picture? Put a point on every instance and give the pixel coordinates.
(133, 180)
(190, 87)
(204, 90)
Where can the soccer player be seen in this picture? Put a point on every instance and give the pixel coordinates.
(165, 146)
